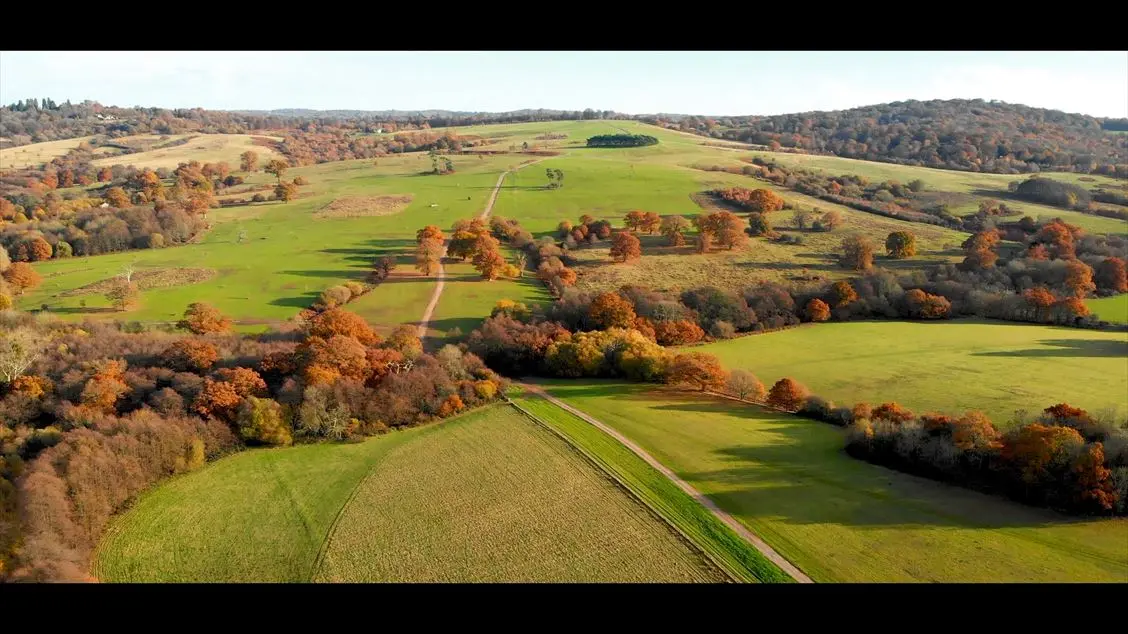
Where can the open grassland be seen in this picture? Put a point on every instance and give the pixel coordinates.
(840, 519)
(205, 148)
(1114, 309)
(742, 560)
(496, 498)
(289, 257)
(978, 186)
(488, 496)
(37, 154)
(946, 366)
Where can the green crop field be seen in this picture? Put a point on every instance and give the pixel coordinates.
(840, 519)
(489, 496)
(1114, 309)
(948, 366)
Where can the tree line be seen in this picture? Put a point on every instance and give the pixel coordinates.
(91, 415)
(621, 140)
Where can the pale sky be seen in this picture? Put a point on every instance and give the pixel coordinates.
(709, 83)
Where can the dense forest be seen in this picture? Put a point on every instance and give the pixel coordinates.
(959, 134)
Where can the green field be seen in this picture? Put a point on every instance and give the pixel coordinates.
(840, 519)
(1114, 309)
(719, 541)
(948, 366)
(489, 496)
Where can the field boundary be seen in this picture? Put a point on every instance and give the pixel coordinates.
(607, 471)
(767, 551)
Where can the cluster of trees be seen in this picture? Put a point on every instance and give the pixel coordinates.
(758, 200)
(91, 415)
(555, 177)
(473, 240)
(959, 134)
(621, 140)
(1064, 459)
(1048, 191)
(327, 144)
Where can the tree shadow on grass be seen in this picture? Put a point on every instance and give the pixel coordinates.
(1067, 348)
(301, 301)
(77, 310)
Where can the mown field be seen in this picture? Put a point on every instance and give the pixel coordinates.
(1114, 309)
(948, 366)
(840, 519)
(37, 154)
(205, 148)
(488, 496)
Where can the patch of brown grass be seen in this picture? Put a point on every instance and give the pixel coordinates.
(149, 278)
(360, 206)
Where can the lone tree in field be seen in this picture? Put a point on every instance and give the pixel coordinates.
(802, 218)
(248, 161)
(276, 167)
(202, 319)
(698, 369)
(857, 253)
(429, 253)
(745, 386)
(124, 293)
(285, 192)
(555, 178)
(764, 200)
(625, 247)
(21, 277)
(901, 244)
(674, 228)
(788, 394)
(759, 225)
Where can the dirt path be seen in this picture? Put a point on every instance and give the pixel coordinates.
(425, 322)
(729, 520)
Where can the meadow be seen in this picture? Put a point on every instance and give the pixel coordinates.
(840, 519)
(205, 148)
(37, 154)
(946, 366)
(487, 496)
(1114, 309)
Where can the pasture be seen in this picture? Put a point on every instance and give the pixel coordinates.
(205, 148)
(1114, 309)
(945, 366)
(841, 519)
(488, 496)
(37, 154)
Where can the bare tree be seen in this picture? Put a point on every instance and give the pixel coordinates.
(19, 349)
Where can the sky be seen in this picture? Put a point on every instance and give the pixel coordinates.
(683, 82)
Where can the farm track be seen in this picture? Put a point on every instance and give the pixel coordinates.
(766, 550)
(425, 322)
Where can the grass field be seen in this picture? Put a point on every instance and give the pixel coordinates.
(1114, 309)
(205, 148)
(488, 496)
(37, 154)
(719, 541)
(840, 519)
(290, 257)
(949, 366)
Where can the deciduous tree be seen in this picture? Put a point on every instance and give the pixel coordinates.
(625, 247)
(745, 386)
(901, 244)
(857, 253)
(674, 228)
(248, 161)
(611, 310)
(817, 310)
(201, 319)
(698, 369)
(277, 167)
(788, 394)
(21, 277)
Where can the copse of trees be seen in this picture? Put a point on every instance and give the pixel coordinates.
(71, 405)
(621, 140)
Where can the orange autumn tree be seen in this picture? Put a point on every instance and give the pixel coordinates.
(1079, 278)
(676, 333)
(189, 355)
(21, 277)
(1112, 275)
(217, 399)
(764, 200)
(245, 381)
(788, 394)
(698, 369)
(107, 384)
(610, 310)
(201, 319)
(429, 252)
(650, 222)
(892, 412)
(487, 259)
(857, 253)
(633, 220)
(922, 305)
(842, 294)
(625, 247)
(817, 310)
(337, 321)
(901, 244)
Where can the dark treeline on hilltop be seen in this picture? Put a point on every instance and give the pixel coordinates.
(36, 121)
(959, 134)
